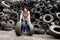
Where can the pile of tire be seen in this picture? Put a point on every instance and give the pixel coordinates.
(8, 19)
(45, 16)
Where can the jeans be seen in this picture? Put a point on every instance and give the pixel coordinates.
(25, 23)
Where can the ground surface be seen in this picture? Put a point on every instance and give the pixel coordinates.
(10, 35)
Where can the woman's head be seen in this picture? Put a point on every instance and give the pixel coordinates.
(25, 9)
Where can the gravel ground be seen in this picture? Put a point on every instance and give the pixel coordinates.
(10, 35)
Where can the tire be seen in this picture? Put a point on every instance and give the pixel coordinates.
(8, 27)
(57, 14)
(39, 31)
(18, 30)
(31, 30)
(48, 16)
(0, 28)
(33, 10)
(54, 32)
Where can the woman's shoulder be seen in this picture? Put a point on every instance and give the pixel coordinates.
(28, 11)
(23, 11)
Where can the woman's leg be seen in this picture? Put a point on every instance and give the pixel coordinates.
(24, 25)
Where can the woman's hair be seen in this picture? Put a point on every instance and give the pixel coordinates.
(25, 6)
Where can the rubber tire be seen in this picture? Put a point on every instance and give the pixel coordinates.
(18, 30)
(31, 30)
(8, 27)
(0, 28)
(53, 33)
(39, 31)
(52, 18)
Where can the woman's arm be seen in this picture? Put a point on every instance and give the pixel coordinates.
(29, 16)
(21, 16)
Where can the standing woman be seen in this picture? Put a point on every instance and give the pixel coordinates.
(25, 16)
(25, 20)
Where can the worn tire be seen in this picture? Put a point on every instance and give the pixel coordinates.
(58, 15)
(48, 16)
(8, 27)
(18, 30)
(54, 32)
(31, 30)
(39, 31)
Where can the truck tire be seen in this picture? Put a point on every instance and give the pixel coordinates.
(39, 31)
(18, 30)
(54, 30)
(8, 27)
(31, 30)
(48, 18)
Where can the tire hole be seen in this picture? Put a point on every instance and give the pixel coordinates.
(57, 29)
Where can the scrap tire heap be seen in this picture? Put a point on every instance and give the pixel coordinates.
(45, 16)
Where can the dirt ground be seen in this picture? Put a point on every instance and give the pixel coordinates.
(10, 35)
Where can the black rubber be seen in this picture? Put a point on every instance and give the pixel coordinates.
(55, 32)
(8, 28)
(18, 30)
(31, 30)
(39, 31)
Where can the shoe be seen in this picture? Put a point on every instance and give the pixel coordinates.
(25, 32)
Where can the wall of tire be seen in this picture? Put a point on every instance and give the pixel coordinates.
(45, 16)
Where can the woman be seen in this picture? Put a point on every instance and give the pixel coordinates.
(25, 16)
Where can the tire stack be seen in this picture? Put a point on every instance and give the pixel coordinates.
(44, 14)
(37, 17)
(8, 19)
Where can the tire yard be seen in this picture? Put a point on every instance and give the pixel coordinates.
(29, 19)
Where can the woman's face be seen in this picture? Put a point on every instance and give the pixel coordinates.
(25, 9)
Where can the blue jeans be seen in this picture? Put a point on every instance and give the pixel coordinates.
(25, 23)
